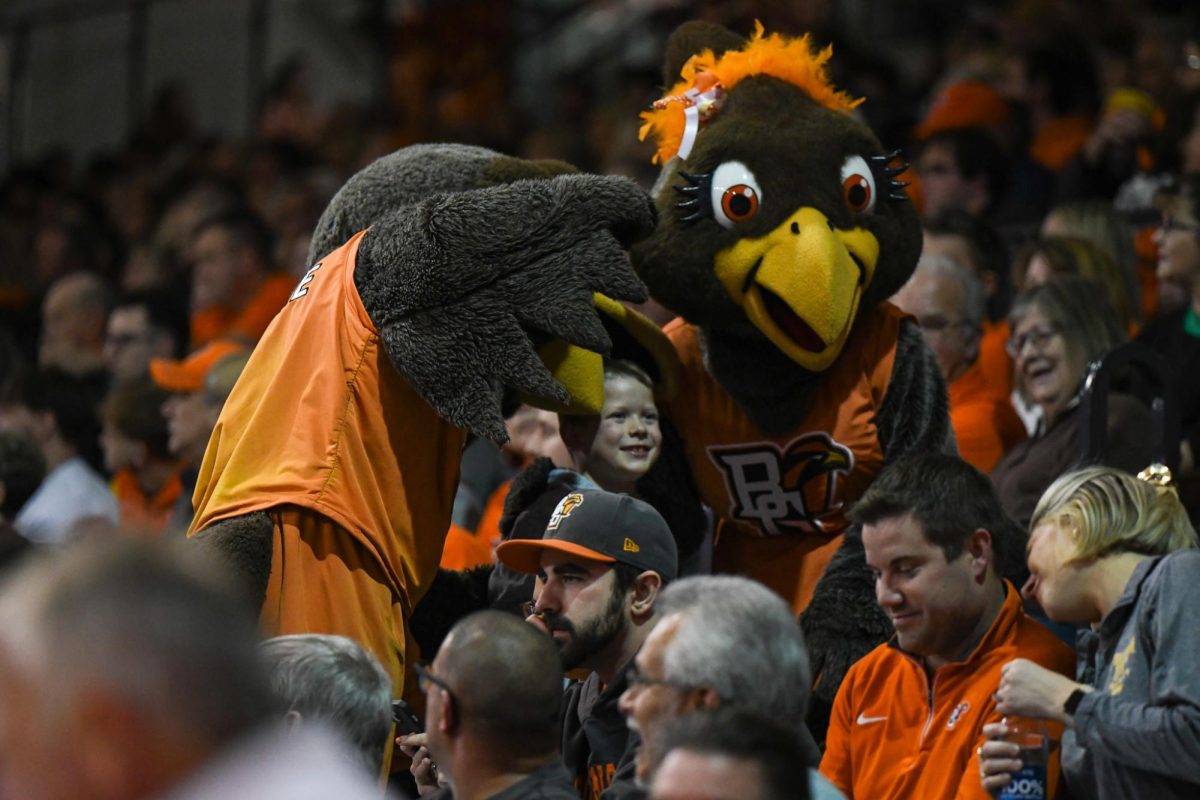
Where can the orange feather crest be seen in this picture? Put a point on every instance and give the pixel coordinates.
(787, 58)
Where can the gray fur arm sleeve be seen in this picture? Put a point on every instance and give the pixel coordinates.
(915, 414)
(843, 622)
(456, 285)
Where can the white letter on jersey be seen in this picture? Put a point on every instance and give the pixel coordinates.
(302, 288)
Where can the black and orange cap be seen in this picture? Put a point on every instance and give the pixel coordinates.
(600, 526)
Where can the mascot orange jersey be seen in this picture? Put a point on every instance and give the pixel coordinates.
(781, 498)
(321, 421)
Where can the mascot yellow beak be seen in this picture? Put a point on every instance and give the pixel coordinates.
(581, 372)
(801, 284)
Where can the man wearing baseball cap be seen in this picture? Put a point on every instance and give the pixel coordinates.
(600, 566)
(199, 385)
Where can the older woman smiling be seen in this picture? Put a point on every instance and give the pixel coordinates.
(1057, 329)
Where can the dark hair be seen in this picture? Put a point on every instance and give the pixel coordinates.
(947, 496)
(625, 576)
(740, 733)
(986, 247)
(977, 153)
(165, 311)
(72, 401)
(245, 229)
(21, 471)
(1065, 62)
(134, 409)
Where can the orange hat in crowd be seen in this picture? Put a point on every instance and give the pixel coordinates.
(189, 374)
(964, 104)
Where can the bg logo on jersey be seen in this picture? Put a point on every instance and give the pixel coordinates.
(788, 490)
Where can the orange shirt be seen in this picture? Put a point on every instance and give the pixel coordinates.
(148, 515)
(321, 419)
(249, 323)
(781, 499)
(895, 734)
(985, 424)
(464, 550)
(994, 360)
(1059, 140)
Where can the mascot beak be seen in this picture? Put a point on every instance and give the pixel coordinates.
(801, 284)
(581, 372)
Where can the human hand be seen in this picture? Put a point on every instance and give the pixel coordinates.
(1027, 690)
(423, 769)
(998, 759)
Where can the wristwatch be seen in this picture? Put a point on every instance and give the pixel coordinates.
(1072, 702)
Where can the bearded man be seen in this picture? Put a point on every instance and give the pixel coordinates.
(600, 566)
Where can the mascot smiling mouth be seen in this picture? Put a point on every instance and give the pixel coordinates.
(801, 283)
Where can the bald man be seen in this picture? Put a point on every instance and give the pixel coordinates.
(492, 700)
(74, 323)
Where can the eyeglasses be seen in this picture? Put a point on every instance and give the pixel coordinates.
(939, 325)
(425, 679)
(1172, 224)
(634, 677)
(1038, 337)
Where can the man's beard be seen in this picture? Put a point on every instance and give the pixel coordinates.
(593, 635)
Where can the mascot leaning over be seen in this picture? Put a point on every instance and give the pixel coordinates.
(450, 277)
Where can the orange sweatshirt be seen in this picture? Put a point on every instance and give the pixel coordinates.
(895, 734)
(985, 424)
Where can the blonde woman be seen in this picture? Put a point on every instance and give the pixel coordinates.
(1117, 553)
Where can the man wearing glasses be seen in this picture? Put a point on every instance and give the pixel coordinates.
(949, 303)
(600, 566)
(724, 641)
(492, 700)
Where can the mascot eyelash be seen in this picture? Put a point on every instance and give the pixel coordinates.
(696, 195)
(885, 174)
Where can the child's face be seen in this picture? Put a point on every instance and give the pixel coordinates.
(627, 439)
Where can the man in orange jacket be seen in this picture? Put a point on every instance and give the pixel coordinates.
(236, 291)
(908, 717)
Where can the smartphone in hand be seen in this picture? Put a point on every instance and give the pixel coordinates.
(406, 719)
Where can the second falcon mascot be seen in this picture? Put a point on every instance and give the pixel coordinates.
(781, 233)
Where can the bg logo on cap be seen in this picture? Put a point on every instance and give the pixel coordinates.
(564, 509)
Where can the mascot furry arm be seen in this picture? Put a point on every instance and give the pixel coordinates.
(331, 472)
(781, 234)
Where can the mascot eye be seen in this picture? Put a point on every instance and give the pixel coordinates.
(858, 185)
(735, 194)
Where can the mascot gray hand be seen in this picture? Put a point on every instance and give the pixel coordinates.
(464, 287)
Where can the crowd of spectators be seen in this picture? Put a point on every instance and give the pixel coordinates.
(1055, 151)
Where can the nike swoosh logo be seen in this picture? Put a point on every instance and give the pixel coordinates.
(868, 720)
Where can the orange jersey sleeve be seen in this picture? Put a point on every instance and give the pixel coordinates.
(321, 419)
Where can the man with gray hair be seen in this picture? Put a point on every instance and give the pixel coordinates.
(129, 669)
(332, 680)
(949, 303)
(722, 640)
